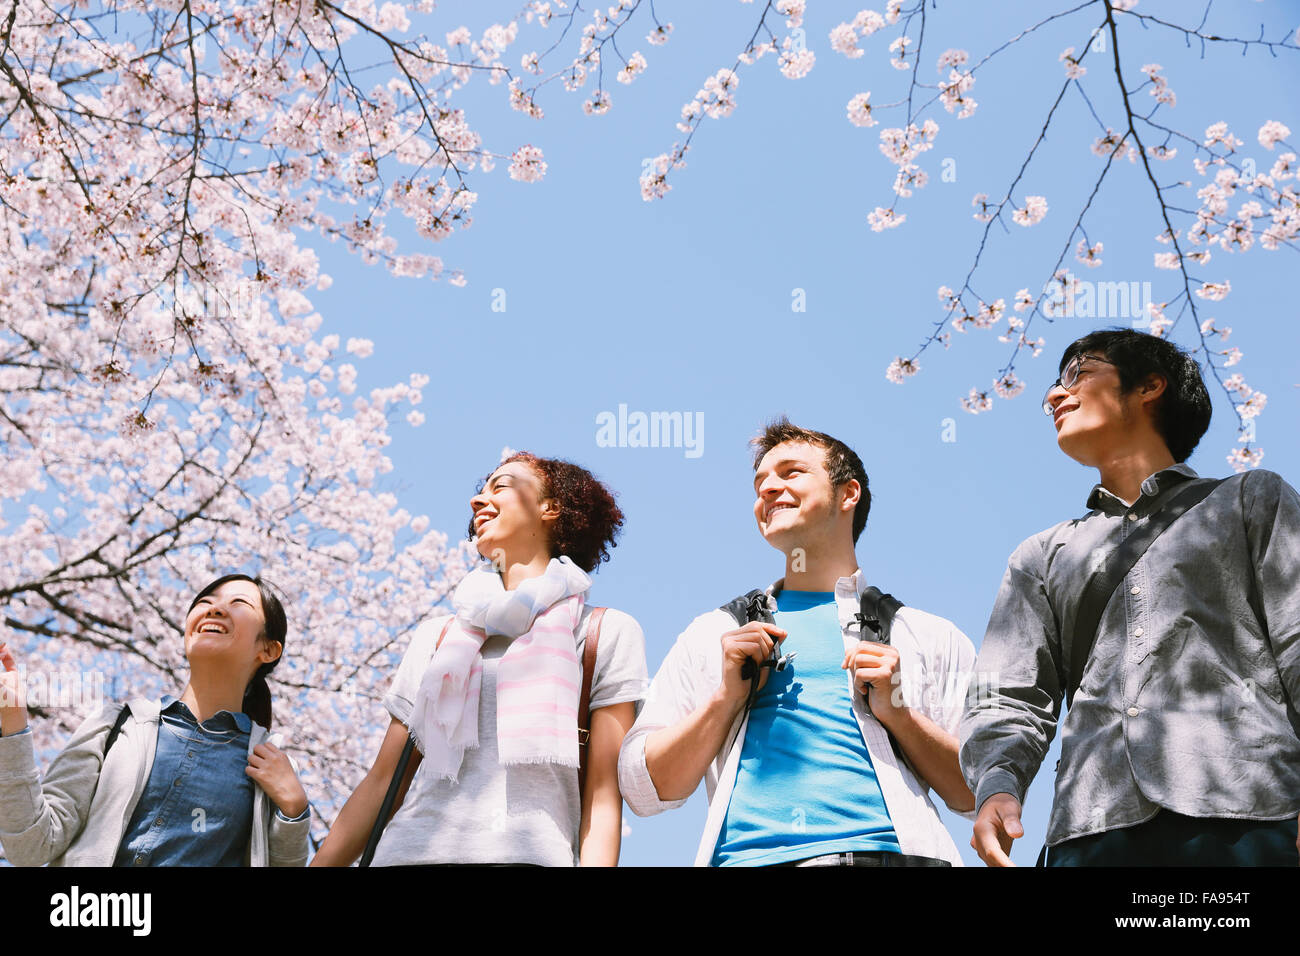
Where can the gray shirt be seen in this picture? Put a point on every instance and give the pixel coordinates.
(525, 813)
(1188, 701)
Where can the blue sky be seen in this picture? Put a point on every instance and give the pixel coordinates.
(685, 305)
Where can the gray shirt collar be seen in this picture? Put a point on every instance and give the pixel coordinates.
(1099, 499)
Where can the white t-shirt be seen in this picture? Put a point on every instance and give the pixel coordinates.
(528, 813)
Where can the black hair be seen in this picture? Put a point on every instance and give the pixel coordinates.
(842, 462)
(257, 696)
(1182, 413)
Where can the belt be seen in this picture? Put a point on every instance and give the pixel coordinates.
(873, 858)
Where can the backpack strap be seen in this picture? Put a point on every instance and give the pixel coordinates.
(584, 702)
(407, 763)
(116, 732)
(1102, 583)
(876, 612)
(752, 606)
(875, 617)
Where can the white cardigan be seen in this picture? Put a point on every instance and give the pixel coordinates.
(79, 815)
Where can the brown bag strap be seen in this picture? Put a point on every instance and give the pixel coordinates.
(584, 702)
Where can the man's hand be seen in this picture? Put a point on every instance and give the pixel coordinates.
(753, 642)
(997, 825)
(876, 675)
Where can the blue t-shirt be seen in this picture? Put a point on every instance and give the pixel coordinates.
(805, 786)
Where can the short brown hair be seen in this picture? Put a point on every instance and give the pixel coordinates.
(588, 521)
(842, 462)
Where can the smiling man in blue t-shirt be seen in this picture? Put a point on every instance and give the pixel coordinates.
(807, 771)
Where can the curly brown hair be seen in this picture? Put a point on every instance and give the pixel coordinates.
(589, 520)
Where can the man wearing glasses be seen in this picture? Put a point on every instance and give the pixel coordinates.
(1180, 746)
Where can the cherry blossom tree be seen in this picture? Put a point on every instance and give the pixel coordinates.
(170, 406)
(1222, 205)
(168, 410)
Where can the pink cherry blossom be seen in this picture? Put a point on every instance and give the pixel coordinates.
(1159, 85)
(977, 402)
(1214, 291)
(881, 219)
(659, 35)
(795, 64)
(527, 165)
(900, 368)
(1272, 133)
(844, 40)
(1034, 210)
(859, 110)
(1088, 255)
(1072, 68)
(596, 104)
(1008, 386)
(635, 65)
(1217, 134)
(1244, 458)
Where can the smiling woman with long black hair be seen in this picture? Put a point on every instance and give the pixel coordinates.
(188, 781)
(490, 694)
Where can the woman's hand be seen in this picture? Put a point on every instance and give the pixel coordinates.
(13, 699)
(351, 828)
(269, 767)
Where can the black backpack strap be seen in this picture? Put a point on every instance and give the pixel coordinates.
(751, 606)
(1102, 583)
(113, 734)
(875, 617)
(401, 775)
(876, 612)
(407, 763)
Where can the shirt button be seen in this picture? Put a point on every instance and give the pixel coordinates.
(138, 860)
(1137, 632)
(1135, 590)
(158, 822)
(176, 782)
(190, 753)
(1133, 711)
(1131, 516)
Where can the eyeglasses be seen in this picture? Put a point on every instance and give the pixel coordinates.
(1069, 378)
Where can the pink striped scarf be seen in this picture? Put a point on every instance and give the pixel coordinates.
(538, 678)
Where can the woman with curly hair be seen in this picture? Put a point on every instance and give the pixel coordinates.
(490, 694)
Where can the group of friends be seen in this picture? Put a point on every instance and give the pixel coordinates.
(821, 714)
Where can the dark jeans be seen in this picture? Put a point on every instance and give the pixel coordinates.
(1171, 839)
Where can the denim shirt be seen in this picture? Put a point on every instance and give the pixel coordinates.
(197, 808)
(1188, 701)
